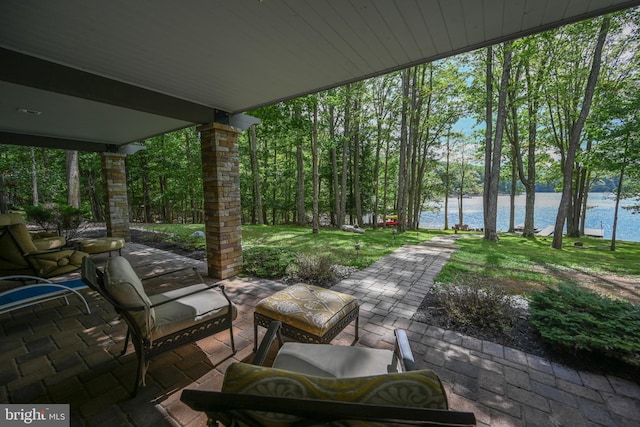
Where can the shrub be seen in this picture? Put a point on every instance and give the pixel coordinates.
(65, 220)
(314, 270)
(574, 320)
(267, 262)
(475, 302)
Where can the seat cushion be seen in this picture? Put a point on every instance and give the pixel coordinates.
(48, 243)
(416, 389)
(310, 308)
(332, 361)
(188, 310)
(125, 287)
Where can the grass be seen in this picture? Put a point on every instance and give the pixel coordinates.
(519, 265)
(340, 245)
(523, 265)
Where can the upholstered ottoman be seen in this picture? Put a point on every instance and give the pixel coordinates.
(308, 313)
(102, 244)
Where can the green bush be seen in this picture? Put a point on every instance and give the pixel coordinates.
(314, 270)
(474, 301)
(267, 262)
(575, 320)
(63, 219)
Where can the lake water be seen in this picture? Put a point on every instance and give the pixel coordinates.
(599, 214)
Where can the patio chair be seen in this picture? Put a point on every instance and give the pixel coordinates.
(162, 322)
(321, 384)
(22, 255)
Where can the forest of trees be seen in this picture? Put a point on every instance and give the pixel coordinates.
(555, 110)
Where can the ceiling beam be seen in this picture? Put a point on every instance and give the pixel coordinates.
(11, 138)
(34, 72)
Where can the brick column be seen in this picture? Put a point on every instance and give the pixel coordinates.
(114, 183)
(221, 182)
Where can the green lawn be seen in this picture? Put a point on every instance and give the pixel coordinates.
(527, 264)
(339, 244)
(519, 264)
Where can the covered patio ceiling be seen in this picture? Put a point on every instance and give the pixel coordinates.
(95, 75)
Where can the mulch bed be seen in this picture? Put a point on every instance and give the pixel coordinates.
(525, 337)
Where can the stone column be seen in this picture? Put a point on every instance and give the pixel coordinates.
(114, 183)
(221, 182)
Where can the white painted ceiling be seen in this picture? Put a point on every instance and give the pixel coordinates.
(232, 55)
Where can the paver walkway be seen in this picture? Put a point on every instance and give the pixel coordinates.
(56, 353)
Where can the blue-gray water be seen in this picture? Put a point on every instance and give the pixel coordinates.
(599, 214)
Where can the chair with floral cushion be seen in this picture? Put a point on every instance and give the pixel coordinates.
(322, 384)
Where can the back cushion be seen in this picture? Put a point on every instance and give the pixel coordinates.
(124, 286)
(23, 238)
(11, 218)
(416, 389)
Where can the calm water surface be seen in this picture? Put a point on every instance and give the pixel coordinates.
(599, 214)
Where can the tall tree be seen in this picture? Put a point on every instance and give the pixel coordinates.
(34, 177)
(402, 167)
(255, 169)
(316, 180)
(73, 179)
(576, 132)
(493, 174)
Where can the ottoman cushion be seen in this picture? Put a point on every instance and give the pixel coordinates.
(102, 244)
(310, 308)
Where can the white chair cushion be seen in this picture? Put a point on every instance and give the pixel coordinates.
(188, 310)
(325, 360)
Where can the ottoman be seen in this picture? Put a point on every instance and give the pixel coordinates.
(308, 313)
(102, 244)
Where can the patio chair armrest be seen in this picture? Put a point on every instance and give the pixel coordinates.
(234, 404)
(166, 273)
(403, 349)
(208, 288)
(267, 341)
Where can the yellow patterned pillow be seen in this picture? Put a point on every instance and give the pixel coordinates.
(416, 389)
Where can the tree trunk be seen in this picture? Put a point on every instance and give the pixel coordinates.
(488, 137)
(345, 156)
(34, 178)
(490, 231)
(576, 132)
(336, 191)
(447, 182)
(615, 212)
(316, 183)
(300, 211)
(356, 157)
(402, 167)
(255, 170)
(73, 179)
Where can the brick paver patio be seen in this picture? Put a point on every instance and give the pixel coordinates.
(52, 353)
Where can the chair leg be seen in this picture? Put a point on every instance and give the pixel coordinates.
(233, 344)
(255, 333)
(126, 342)
(141, 362)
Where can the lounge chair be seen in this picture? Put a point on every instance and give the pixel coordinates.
(22, 255)
(39, 291)
(321, 384)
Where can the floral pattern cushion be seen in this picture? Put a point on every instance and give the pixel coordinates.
(415, 389)
(310, 308)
